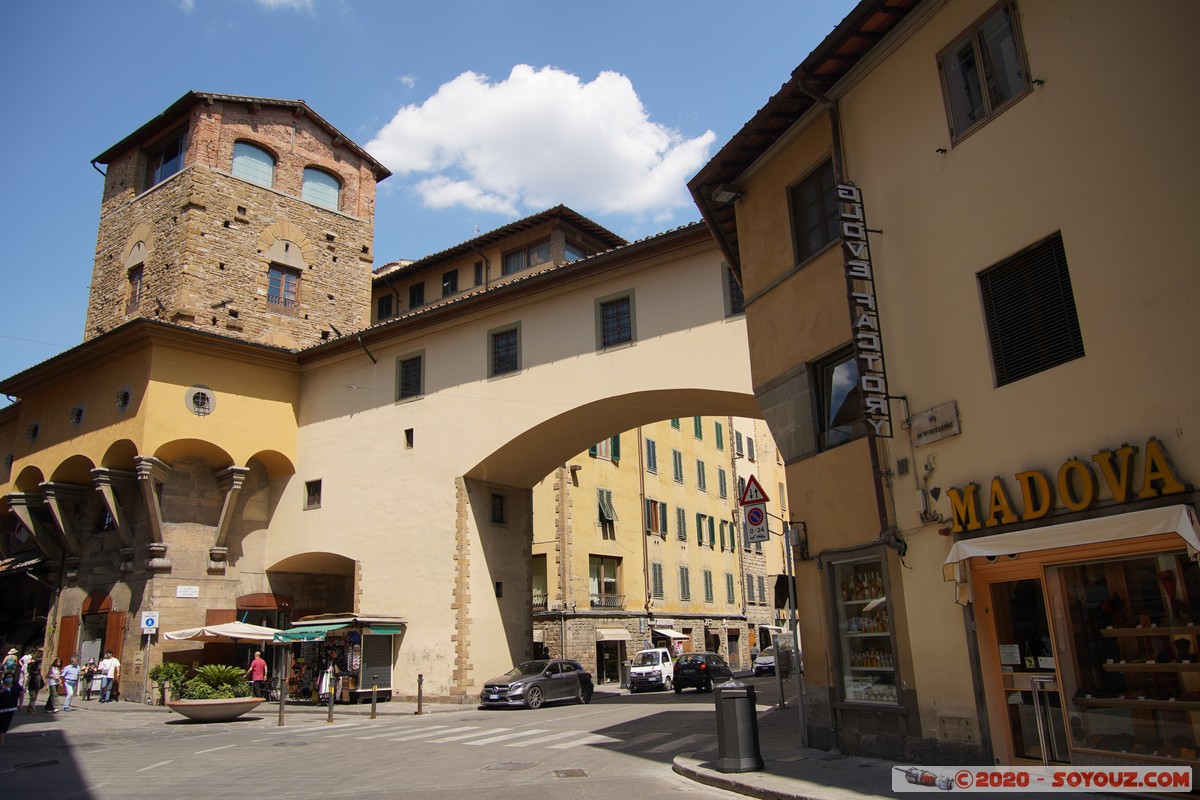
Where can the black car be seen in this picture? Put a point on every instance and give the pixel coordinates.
(701, 671)
(532, 683)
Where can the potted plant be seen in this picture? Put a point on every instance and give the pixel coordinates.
(218, 693)
(168, 677)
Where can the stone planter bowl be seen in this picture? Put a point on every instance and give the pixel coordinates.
(218, 710)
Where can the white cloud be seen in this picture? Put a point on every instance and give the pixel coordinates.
(538, 138)
(186, 6)
(409, 81)
(298, 5)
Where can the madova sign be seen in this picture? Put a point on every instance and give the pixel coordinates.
(1077, 487)
(868, 342)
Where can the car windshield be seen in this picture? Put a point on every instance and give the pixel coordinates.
(646, 660)
(691, 660)
(768, 653)
(527, 668)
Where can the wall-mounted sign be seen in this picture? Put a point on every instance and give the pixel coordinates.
(1075, 487)
(868, 339)
(149, 621)
(937, 423)
(187, 591)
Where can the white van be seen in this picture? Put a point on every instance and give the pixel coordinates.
(652, 669)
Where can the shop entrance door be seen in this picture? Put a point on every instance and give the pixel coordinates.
(1024, 694)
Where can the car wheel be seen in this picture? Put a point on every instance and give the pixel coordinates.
(585, 695)
(678, 689)
(707, 687)
(633, 690)
(666, 684)
(534, 697)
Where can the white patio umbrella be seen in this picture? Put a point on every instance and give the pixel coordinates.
(225, 632)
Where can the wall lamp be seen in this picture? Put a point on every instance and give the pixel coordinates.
(726, 192)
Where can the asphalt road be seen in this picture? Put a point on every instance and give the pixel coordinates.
(618, 745)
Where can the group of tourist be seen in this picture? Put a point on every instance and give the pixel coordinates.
(24, 675)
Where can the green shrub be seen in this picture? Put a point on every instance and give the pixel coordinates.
(214, 681)
(169, 673)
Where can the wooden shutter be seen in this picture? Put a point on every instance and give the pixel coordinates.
(68, 637)
(114, 633)
(616, 448)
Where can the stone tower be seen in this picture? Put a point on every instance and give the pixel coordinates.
(244, 216)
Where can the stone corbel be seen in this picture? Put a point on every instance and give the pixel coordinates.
(229, 481)
(63, 499)
(107, 481)
(72, 568)
(156, 557)
(22, 504)
(151, 472)
(126, 559)
(216, 560)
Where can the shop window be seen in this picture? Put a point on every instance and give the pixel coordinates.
(253, 164)
(655, 517)
(529, 256)
(604, 582)
(608, 513)
(983, 71)
(814, 210)
(416, 295)
(312, 494)
(505, 352)
(656, 580)
(321, 189)
(450, 283)
(499, 509)
(651, 456)
(282, 287)
(864, 634)
(614, 321)
(685, 584)
(410, 376)
(840, 402)
(1030, 313)
(164, 159)
(677, 465)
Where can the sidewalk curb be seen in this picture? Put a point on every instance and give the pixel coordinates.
(749, 784)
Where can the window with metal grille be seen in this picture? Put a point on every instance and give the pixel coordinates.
(410, 375)
(656, 579)
(814, 212)
(735, 301)
(1029, 310)
(506, 355)
(616, 322)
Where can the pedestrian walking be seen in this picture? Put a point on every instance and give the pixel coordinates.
(10, 663)
(23, 667)
(87, 675)
(110, 672)
(10, 698)
(53, 679)
(70, 679)
(33, 683)
(257, 674)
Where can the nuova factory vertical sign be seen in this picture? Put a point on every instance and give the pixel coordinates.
(868, 340)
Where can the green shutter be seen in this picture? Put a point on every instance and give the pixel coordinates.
(720, 433)
(712, 532)
(646, 515)
(592, 451)
(616, 448)
(662, 515)
(722, 536)
(698, 427)
(700, 529)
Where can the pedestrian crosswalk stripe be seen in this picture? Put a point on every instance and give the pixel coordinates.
(467, 735)
(638, 741)
(429, 733)
(679, 744)
(506, 736)
(322, 729)
(392, 732)
(542, 740)
(594, 738)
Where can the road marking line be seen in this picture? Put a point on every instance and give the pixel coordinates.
(640, 740)
(325, 729)
(502, 738)
(152, 766)
(467, 735)
(426, 733)
(552, 737)
(678, 744)
(594, 738)
(213, 749)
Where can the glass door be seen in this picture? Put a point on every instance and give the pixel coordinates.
(1028, 671)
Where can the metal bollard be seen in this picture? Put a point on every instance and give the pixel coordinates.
(374, 693)
(332, 688)
(420, 692)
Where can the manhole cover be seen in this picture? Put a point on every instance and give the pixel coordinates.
(507, 766)
(289, 744)
(569, 773)
(31, 764)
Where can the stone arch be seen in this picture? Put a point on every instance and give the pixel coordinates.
(29, 479)
(98, 601)
(289, 232)
(77, 470)
(138, 245)
(121, 454)
(214, 455)
(316, 582)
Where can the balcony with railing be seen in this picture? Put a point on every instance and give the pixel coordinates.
(605, 600)
(539, 601)
(282, 305)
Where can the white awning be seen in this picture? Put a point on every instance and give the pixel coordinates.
(539, 635)
(612, 635)
(1179, 519)
(670, 634)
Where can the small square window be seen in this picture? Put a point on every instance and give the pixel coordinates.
(840, 417)
(814, 210)
(505, 352)
(410, 377)
(615, 321)
(416, 295)
(499, 588)
(312, 494)
(383, 308)
(450, 283)
(164, 159)
(499, 509)
(983, 71)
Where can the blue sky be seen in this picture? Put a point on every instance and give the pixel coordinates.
(485, 110)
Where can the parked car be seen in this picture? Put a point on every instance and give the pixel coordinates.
(651, 669)
(764, 662)
(700, 671)
(533, 683)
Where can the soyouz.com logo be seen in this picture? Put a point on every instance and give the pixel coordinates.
(1042, 779)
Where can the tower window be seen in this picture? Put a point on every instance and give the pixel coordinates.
(164, 159)
(282, 284)
(312, 494)
(135, 276)
(254, 164)
(321, 189)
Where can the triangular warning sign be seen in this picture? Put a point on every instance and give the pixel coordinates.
(754, 493)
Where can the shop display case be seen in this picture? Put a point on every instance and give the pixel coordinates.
(866, 647)
(1136, 683)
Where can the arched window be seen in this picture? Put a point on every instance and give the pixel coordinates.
(252, 163)
(321, 188)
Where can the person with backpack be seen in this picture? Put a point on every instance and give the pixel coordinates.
(33, 682)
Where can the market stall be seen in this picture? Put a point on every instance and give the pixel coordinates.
(342, 654)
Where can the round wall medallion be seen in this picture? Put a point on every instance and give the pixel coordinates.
(200, 400)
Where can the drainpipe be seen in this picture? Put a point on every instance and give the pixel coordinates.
(645, 519)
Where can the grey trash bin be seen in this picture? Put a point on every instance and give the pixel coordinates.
(626, 673)
(737, 729)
